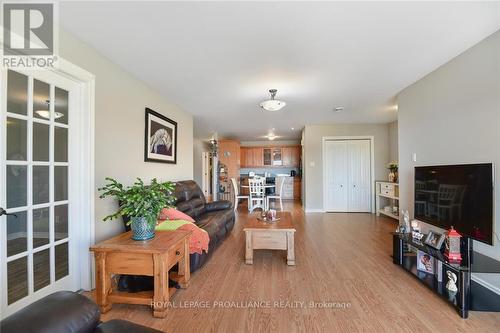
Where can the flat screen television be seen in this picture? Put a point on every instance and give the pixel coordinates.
(456, 195)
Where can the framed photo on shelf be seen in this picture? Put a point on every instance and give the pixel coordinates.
(160, 138)
(425, 262)
(435, 239)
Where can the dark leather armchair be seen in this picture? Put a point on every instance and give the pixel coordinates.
(66, 312)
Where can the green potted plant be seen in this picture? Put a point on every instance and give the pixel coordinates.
(393, 172)
(142, 203)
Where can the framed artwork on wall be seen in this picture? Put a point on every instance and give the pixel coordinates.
(160, 138)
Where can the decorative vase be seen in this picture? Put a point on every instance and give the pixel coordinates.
(141, 229)
(393, 176)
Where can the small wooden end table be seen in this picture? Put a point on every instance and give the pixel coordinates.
(277, 235)
(154, 257)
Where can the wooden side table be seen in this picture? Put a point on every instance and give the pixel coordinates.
(154, 257)
(277, 235)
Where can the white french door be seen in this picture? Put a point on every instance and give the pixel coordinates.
(38, 244)
(347, 175)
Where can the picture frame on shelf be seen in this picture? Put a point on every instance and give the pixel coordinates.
(425, 262)
(435, 239)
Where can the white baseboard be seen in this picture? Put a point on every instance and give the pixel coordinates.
(314, 210)
(492, 284)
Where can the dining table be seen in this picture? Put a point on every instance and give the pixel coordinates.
(267, 185)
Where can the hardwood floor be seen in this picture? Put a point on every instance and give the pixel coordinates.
(340, 258)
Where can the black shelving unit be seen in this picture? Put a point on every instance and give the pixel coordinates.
(405, 255)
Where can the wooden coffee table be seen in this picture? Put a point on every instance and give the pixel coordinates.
(154, 257)
(277, 235)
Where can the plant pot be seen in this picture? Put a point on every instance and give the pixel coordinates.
(141, 229)
(393, 176)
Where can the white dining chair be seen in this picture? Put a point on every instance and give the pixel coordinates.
(237, 195)
(257, 194)
(278, 194)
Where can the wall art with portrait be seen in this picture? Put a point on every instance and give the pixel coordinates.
(160, 139)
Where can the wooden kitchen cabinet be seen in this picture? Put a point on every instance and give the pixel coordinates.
(291, 156)
(267, 154)
(248, 159)
(257, 156)
(288, 156)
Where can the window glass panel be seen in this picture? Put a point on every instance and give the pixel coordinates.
(61, 106)
(16, 186)
(40, 184)
(61, 255)
(61, 221)
(17, 138)
(40, 227)
(17, 93)
(40, 142)
(61, 144)
(41, 100)
(17, 234)
(17, 279)
(60, 183)
(41, 269)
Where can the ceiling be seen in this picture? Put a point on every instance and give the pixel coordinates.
(217, 60)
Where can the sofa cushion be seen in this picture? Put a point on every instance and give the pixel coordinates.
(174, 214)
(218, 205)
(190, 198)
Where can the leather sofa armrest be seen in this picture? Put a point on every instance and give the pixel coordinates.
(60, 312)
(218, 205)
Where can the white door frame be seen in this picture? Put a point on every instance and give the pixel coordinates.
(84, 127)
(86, 170)
(372, 164)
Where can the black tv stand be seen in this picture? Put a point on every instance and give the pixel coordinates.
(470, 295)
(405, 254)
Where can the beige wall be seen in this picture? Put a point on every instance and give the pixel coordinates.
(199, 147)
(313, 159)
(393, 141)
(452, 116)
(120, 101)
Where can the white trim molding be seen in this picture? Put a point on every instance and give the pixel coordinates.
(314, 210)
(86, 181)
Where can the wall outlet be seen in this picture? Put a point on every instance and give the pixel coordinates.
(312, 164)
(414, 157)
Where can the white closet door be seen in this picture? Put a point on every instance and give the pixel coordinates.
(336, 176)
(359, 175)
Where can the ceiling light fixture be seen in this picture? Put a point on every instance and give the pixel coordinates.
(46, 113)
(338, 109)
(272, 104)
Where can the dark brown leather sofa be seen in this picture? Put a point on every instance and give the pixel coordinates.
(216, 218)
(66, 312)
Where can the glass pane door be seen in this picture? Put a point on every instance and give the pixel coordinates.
(35, 185)
(267, 155)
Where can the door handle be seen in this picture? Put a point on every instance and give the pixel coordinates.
(4, 212)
